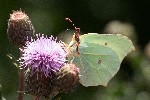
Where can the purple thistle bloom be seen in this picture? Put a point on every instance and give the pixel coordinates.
(43, 55)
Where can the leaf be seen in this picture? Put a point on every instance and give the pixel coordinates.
(100, 57)
(14, 60)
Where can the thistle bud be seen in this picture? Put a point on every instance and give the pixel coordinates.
(67, 78)
(20, 28)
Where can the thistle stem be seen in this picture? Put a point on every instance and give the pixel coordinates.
(21, 82)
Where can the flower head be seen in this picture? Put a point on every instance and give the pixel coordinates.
(43, 55)
(20, 29)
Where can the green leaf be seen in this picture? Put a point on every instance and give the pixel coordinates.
(100, 57)
(14, 60)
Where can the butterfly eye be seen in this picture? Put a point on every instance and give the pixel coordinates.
(77, 37)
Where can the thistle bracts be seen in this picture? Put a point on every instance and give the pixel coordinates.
(67, 78)
(20, 28)
(41, 86)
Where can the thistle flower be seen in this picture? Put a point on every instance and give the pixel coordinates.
(20, 28)
(42, 58)
(43, 55)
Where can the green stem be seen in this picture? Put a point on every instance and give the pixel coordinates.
(21, 82)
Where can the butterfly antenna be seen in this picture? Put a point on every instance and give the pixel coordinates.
(77, 29)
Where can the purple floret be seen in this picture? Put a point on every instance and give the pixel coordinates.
(43, 55)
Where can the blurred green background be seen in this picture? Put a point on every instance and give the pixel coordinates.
(128, 17)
